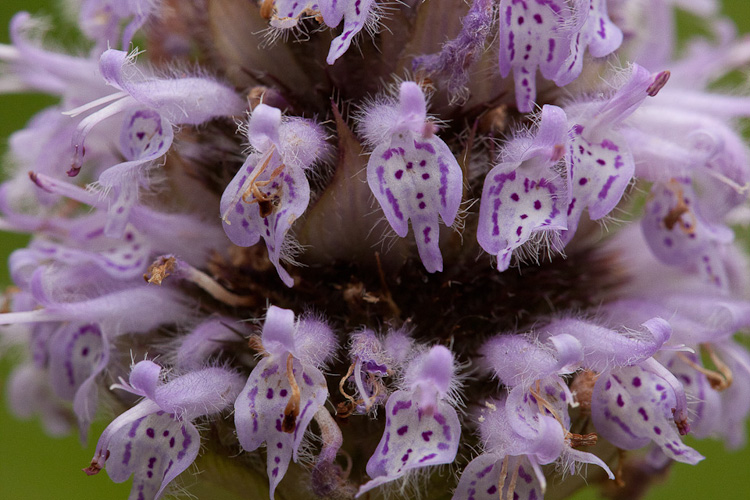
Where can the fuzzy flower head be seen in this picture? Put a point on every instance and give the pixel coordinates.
(357, 244)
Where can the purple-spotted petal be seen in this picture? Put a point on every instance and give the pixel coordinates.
(260, 411)
(145, 136)
(541, 435)
(287, 13)
(355, 14)
(514, 207)
(704, 402)
(102, 20)
(532, 36)
(263, 200)
(677, 233)
(598, 173)
(598, 33)
(122, 259)
(155, 449)
(479, 480)
(74, 352)
(631, 406)
(524, 194)
(414, 437)
(77, 355)
(483, 478)
(417, 178)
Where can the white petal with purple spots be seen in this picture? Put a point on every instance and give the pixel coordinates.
(260, 412)
(263, 200)
(414, 437)
(631, 406)
(417, 178)
(155, 449)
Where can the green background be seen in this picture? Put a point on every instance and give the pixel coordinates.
(34, 466)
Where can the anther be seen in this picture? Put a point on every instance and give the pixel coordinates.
(291, 412)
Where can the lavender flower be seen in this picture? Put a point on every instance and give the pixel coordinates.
(340, 357)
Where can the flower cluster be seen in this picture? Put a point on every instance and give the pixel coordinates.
(339, 269)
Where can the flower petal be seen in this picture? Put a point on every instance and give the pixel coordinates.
(355, 14)
(531, 37)
(480, 478)
(417, 178)
(677, 233)
(413, 438)
(631, 406)
(598, 173)
(264, 199)
(155, 449)
(260, 412)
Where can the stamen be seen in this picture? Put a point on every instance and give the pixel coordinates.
(159, 270)
(722, 367)
(88, 123)
(343, 381)
(660, 79)
(291, 412)
(543, 404)
(740, 188)
(94, 104)
(512, 485)
(578, 440)
(574, 439)
(92, 469)
(675, 214)
(248, 186)
(166, 265)
(503, 476)
(717, 380)
(375, 394)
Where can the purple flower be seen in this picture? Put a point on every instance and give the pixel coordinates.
(156, 440)
(551, 36)
(527, 189)
(270, 191)
(285, 389)
(421, 425)
(411, 172)
(380, 357)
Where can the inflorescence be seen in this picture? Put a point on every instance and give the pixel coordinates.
(340, 243)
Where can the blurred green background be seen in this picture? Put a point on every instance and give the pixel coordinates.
(35, 467)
